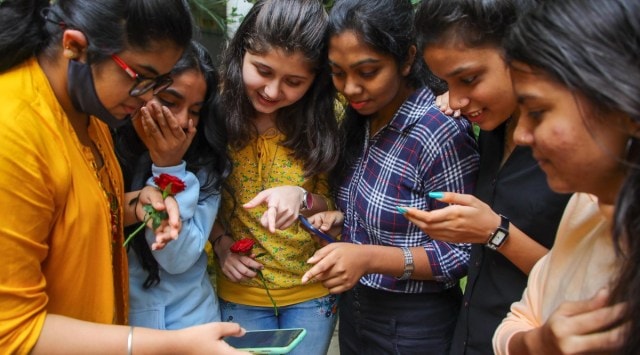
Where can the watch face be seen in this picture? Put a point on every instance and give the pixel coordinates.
(498, 238)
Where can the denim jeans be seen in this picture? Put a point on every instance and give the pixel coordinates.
(317, 316)
(376, 322)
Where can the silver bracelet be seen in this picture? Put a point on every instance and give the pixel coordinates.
(130, 341)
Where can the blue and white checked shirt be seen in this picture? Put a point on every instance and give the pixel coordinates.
(420, 150)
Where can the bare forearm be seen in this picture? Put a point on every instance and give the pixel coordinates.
(521, 250)
(63, 335)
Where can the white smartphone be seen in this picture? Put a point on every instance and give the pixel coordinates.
(270, 341)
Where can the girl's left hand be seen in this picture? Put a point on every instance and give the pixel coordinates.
(283, 206)
(162, 134)
(170, 228)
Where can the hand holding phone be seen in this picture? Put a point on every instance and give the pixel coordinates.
(270, 341)
(305, 222)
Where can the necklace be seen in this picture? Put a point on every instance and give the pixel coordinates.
(104, 179)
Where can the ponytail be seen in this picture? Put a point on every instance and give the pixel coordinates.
(21, 31)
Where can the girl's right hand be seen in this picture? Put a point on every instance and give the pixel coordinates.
(235, 266)
(207, 338)
(467, 219)
(162, 134)
(442, 102)
(578, 327)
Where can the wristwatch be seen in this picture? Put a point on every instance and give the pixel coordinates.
(500, 235)
(307, 200)
(408, 264)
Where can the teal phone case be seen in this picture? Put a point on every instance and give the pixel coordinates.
(243, 343)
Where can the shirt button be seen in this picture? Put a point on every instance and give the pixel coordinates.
(466, 304)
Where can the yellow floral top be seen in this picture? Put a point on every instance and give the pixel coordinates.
(260, 165)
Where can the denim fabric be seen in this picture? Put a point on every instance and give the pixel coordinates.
(317, 316)
(380, 322)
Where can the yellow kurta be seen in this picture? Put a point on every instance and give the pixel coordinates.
(56, 236)
(261, 165)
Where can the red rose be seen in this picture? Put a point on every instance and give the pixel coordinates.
(169, 184)
(243, 246)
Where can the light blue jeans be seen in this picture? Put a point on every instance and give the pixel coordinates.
(318, 316)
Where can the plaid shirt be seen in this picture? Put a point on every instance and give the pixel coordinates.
(420, 150)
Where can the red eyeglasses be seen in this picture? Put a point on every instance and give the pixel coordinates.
(143, 84)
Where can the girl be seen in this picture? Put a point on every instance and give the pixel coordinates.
(461, 43)
(281, 129)
(170, 288)
(579, 94)
(65, 69)
(400, 286)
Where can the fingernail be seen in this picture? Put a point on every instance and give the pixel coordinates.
(436, 195)
(402, 210)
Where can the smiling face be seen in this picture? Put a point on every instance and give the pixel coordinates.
(371, 82)
(112, 83)
(275, 79)
(578, 149)
(479, 81)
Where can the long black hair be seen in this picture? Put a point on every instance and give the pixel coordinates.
(475, 23)
(309, 125)
(387, 27)
(207, 153)
(593, 48)
(34, 27)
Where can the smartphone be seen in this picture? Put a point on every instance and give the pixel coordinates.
(314, 230)
(271, 341)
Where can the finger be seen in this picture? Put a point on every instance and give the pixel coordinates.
(149, 125)
(453, 198)
(161, 120)
(191, 132)
(171, 122)
(173, 210)
(230, 329)
(271, 218)
(321, 265)
(573, 308)
(456, 113)
(257, 200)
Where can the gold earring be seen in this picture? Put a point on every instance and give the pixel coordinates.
(68, 53)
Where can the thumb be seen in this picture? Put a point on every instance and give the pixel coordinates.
(260, 198)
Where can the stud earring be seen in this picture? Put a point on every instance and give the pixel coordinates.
(68, 53)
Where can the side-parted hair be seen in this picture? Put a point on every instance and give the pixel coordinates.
(387, 26)
(474, 23)
(593, 48)
(206, 157)
(33, 27)
(309, 124)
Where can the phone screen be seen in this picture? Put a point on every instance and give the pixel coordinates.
(275, 338)
(315, 230)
